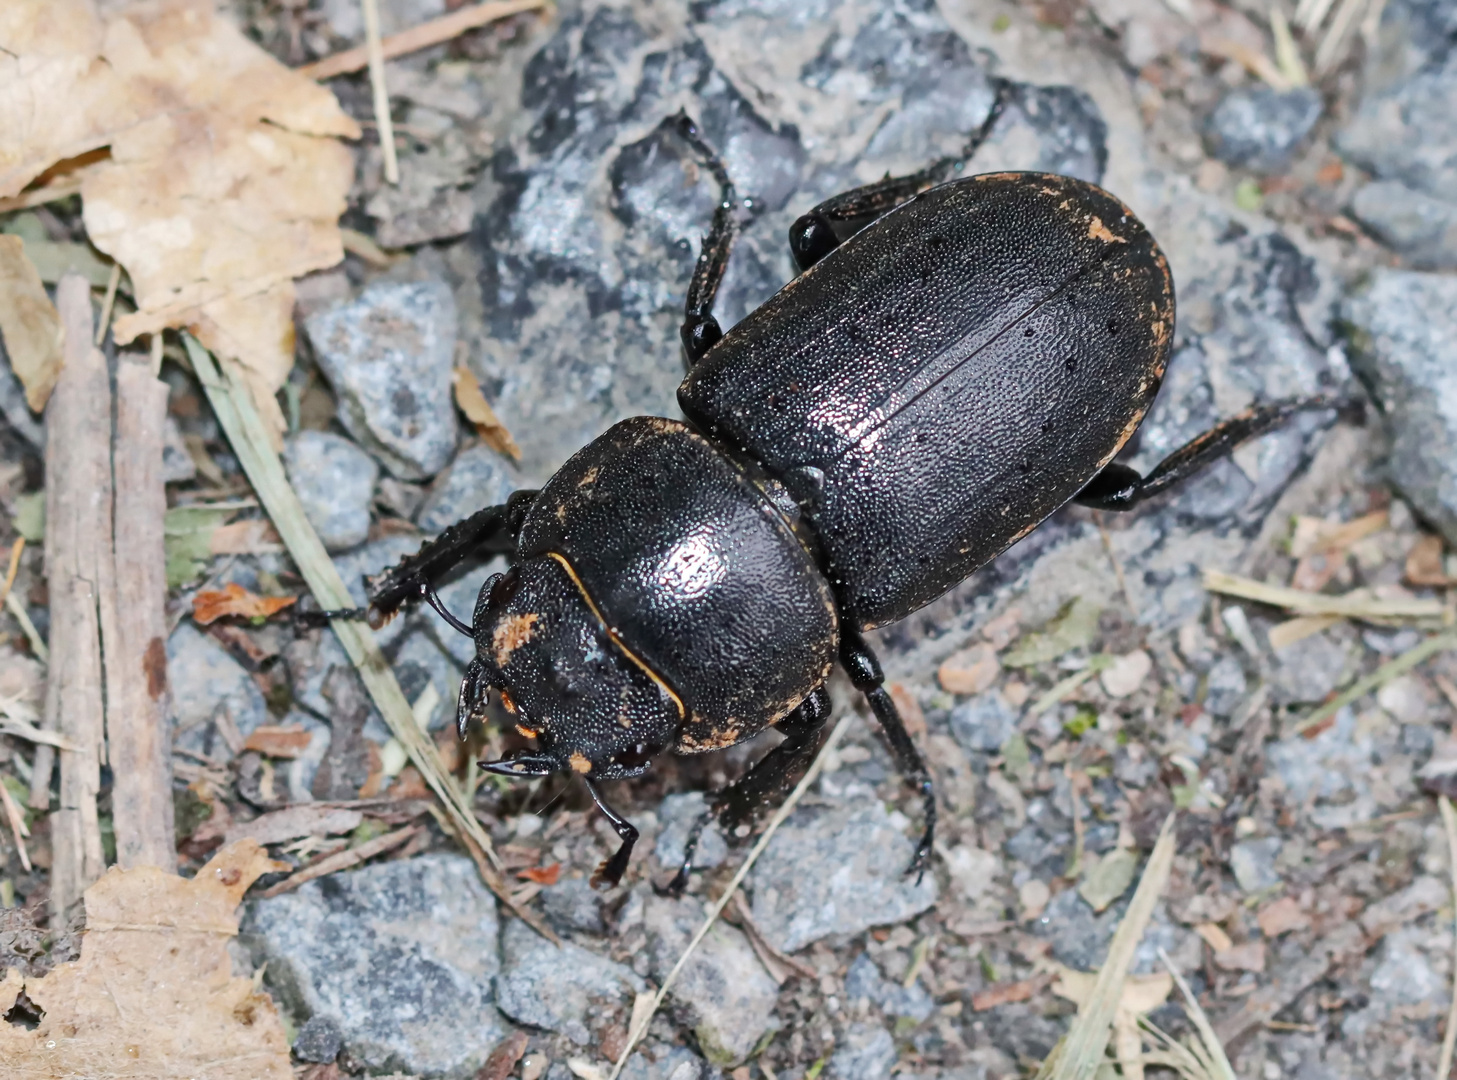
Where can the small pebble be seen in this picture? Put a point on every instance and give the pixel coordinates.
(969, 671)
(1033, 896)
(1126, 674)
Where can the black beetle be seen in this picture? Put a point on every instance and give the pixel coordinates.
(956, 361)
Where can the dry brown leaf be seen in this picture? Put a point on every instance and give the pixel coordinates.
(256, 536)
(478, 411)
(30, 323)
(542, 875)
(1007, 993)
(226, 178)
(1424, 562)
(1281, 916)
(209, 606)
(275, 741)
(153, 992)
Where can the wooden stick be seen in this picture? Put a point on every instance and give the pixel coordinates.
(79, 570)
(343, 860)
(138, 735)
(435, 32)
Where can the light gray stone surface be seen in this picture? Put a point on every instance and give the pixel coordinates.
(1421, 227)
(389, 357)
(476, 479)
(335, 482)
(677, 813)
(1260, 128)
(400, 955)
(1253, 863)
(566, 989)
(983, 723)
(203, 680)
(863, 1052)
(1405, 349)
(864, 980)
(836, 870)
(572, 904)
(723, 994)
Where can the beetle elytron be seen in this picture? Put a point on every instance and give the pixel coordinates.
(955, 362)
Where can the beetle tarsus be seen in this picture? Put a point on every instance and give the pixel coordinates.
(609, 874)
(700, 330)
(675, 887)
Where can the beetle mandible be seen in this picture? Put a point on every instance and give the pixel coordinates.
(958, 358)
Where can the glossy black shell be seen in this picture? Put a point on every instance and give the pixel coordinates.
(694, 571)
(956, 372)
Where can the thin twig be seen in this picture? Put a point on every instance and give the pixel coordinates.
(435, 32)
(343, 860)
(1379, 678)
(728, 894)
(32, 635)
(1213, 1050)
(1449, 1037)
(104, 323)
(15, 551)
(1309, 603)
(17, 825)
(375, 52)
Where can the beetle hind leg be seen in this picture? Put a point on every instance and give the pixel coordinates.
(865, 673)
(835, 220)
(740, 806)
(609, 874)
(1119, 487)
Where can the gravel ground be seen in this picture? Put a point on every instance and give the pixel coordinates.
(1068, 696)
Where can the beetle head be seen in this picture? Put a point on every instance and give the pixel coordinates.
(591, 706)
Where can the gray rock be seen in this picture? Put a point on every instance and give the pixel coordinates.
(566, 989)
(590, 237)
(204, 680)
(335, 481)
(1405, 128)
(177, 464)
(14, 408)
(477, 478)
(1419, 226)
(864, 980)
(1079, 935)
(723, 994)
(1308, 669)
(418, 661)
(659, 1062)
(836, 870)
(1227, 685)
(1404, 975)
(400, 955)
(863, 1052)
(1253, 863)
(389, 357)
(319, 1040)
(1259, 128)
(1330, 772)
(1404, 333)
(572, 904)
(677, 813)
(984, 723)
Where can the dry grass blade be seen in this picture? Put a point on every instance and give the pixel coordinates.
(435, 32)
(233, 404)
(1308, 603)
(1214, 1060)
(1332, 48)
(32, 635)
(1084, 1050)
(383, 122)
(16, 549)
(728, 894)
(1379, 678)
(1449, 1037)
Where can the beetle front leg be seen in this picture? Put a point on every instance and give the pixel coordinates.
(864, 671)
(839, 217)
(739, 807)
(700, 330)
(1119, 487)
(609, 874)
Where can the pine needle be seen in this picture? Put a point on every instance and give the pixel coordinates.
(643, 1017)
(1449, 1037)
(1379, 678)
(232, 402)
(1084, 1050)
(1309, 603)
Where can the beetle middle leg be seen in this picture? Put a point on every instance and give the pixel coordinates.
(832, 222)
(700, 330)
(739, 807)
(1119, 487)
(864, 670)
